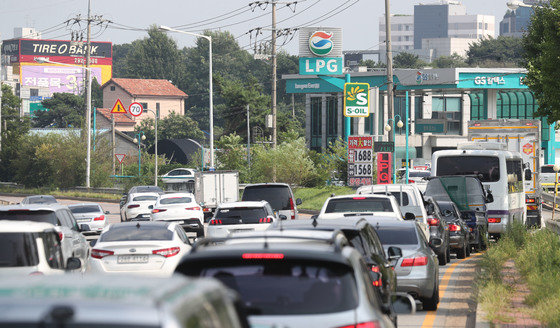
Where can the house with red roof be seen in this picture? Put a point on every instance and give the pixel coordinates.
(123, 123)
(152, 94)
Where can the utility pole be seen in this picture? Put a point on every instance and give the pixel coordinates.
(274, 67)
(113, 140)
(0, 93)
(248, 139)
(88, 97)
(389, 65)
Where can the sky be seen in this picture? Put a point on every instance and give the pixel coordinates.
(359, 19)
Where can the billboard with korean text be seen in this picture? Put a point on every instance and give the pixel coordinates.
(58, 78)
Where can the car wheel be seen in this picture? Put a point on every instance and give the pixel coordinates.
(442, 259)
(431, 304)
(468, 248)
(462, 253)
(448, 254)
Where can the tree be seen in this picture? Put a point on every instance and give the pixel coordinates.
(16, 128)
(449, 61)
(504, 51)
(408, 60)
(174, 126)
(370, 63)
(542, 59)
(63, 110)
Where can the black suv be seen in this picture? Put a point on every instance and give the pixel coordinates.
(295, 277)
(439, 231)
(363, 237)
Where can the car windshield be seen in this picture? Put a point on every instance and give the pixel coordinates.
(175, 200)
(241, 215)
(136, 232)
(18, 250)
(146, 189)
(277, 196)
(397, 194)
(144, 198)
(40, 200)
(397, 235)
(281, 287)
(487, 168)
(27, 215)
(359, 204)
(85, 209)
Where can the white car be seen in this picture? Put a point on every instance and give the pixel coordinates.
(241, 216)
(180, 208)
(32, 248)
(137, 206)
(355, 205)
(150, 248)
(91, 214)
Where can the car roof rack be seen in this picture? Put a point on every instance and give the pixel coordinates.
(275, 234)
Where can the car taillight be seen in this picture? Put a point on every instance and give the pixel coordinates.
(411, 181)
(292, 209)
(378, 282)
(133, 206)
(206, 210)
(369, 324)
(196, 208)
(494, 220)
(454, 227)
(414, 261)
(99, 218)
(60, 235)
(158, 210)
(100, 253)
(167, 252)
(433, 221)
(215, 222)
(262, 256)
(530, 200)
(265, 220)
(36, 273)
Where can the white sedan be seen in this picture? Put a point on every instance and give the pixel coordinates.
(150, 248)
(182, 209)
(137, 206)
(241, 216)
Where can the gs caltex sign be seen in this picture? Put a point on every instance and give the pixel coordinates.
(356, 99)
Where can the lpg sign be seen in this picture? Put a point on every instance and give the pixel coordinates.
(320, 66)
(320, 51)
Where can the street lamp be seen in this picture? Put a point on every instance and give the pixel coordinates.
(156, 114)
(388, 128)
(209, 38)
(42, 60)
(138, 140)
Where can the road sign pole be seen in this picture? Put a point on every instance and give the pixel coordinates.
(347, 120)
(406, 136)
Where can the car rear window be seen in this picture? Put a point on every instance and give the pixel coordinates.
(359, 204)
(277, 196)
(397, 195)
(281, 287)
(36, 216)
(85, 209)
(40, 200)
(144, 198)
(547, 169)
(18, 250)
(419, 174)
(397, 235)
(136, 232)
(241, 215)
(175, 200)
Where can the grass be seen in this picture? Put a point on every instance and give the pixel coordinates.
(314, 198)
(537, 257)
(58, 193)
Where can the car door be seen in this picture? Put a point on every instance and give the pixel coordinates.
(388, 276)
(79, 242)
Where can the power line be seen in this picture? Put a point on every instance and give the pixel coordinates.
(215, 19)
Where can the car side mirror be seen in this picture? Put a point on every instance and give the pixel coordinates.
(151, 207)
(447, 212)
(528, 174)
(106, 212)
(395, 253)
(436, 242)
(299, 201)
(93, 242)
(489, 198)
(430, 208)
(403, 303)
(282, 217)
(73, 263)
(409, 216)
(313, 217)
(84, 228)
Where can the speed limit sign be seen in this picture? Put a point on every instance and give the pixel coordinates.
(135, 109)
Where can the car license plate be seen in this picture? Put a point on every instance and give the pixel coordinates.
(241, 230)
(179, 222)
(83, 220)
(127, 259)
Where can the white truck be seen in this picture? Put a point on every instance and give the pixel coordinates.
(523, 136)
(211, 188)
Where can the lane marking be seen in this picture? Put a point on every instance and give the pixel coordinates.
(431, 315)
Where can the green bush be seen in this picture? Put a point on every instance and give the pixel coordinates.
(314, 198)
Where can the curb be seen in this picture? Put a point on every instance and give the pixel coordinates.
(481, 321)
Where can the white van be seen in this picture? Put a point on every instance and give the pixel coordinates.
(499, 170)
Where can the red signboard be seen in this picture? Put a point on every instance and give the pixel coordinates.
(528, 148)
(360, 142)
(384, 168)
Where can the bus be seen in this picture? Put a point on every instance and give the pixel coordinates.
(499, 170)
